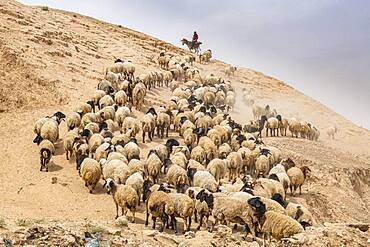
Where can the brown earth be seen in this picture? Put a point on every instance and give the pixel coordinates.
(52, 60)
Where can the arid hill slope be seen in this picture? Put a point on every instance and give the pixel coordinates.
(52, 60)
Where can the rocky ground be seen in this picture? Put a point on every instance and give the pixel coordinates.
(52, 60)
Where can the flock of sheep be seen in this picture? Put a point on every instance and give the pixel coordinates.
(215, 168)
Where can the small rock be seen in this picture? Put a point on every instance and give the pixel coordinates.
(113, 231)
(189, 235)
(223, 231)
(69, 241)
(150, 233)
(121, 221)
(182, 244)
(254, 244)
(165, 239)
(327, 224)
(54, 180)
(145, 245)
(301, 238)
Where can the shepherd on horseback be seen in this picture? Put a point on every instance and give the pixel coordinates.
(195, 37)
(194, 44)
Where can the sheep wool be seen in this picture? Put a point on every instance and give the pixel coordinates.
(280, 225)
(124, 196)
(136, 181)
(159, 205)
(177, 176)
(90, 173)
(183, 208)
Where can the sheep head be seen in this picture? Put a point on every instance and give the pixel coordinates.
(109, 185)
(38, 139)
(152, 111)
(305, 170)
(258, 206)
(279, 198)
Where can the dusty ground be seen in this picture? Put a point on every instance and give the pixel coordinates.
(52, 60)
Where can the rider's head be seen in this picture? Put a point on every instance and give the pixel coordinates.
(195, 32)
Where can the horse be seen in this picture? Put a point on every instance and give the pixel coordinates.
(191, 45)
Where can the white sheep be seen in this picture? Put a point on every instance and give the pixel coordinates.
(124, 196)
(153, 165)
(159, 205)
(130, 123)
(132, 150)
(69, 139)
(138, 95)
(163, 123)
(294, 126)
(90, 173)
(50, 131)
(128, 70)
(209, 147)
(73, 120)
(331, 131)
(136, 181)
(273, 223)
(183, 208)
(47, 150)
(94, 142)
(122, 113)
(106, 100)
(177, 176)
(235, 163)
(297, 177)
(230, 70)
(120, 98)
(217, 168)
(205, 180)
(198, 153)
(121, 172)
(102, 151)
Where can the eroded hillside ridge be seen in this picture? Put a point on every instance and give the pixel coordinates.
(52, 60)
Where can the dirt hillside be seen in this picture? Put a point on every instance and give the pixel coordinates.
(52, 60)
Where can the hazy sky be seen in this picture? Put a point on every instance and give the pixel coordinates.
(320, 47)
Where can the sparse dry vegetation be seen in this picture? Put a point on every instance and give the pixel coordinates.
(47, 65)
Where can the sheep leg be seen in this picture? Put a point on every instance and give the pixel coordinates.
(164, 221)
(138, 194)
(67, 152)
(174, 224)
(117, 210)
(267, 132)
(154, 220)
(196, 216)
(251, 228)
(147, 218)
(300, 189)
(143, 136)
(168, 224)
(186, 226)
(158, 132)
(213, 225)
(189, 225)
(133, 215)
(41, 163)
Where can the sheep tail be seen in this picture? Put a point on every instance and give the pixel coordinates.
(88, 176)
(45, 153)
